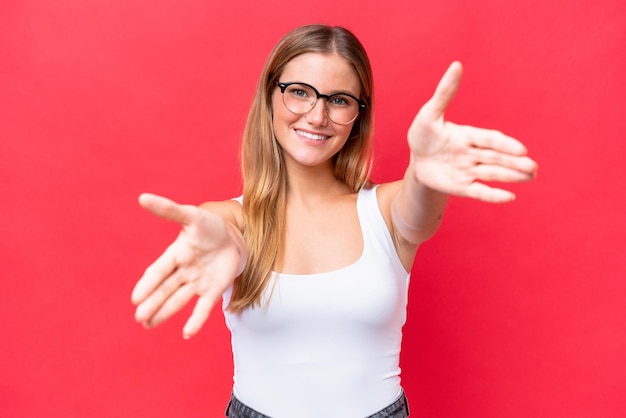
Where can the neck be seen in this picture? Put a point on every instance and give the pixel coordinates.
(313, 183)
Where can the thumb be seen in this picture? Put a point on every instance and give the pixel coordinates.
(166, 208)
(446, 89)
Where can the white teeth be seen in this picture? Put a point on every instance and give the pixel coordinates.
(314, 137)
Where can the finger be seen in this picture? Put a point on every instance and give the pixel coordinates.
(200, 313)
(486, 172)
(158, 271)
(489, 194)
(172, 305)
(148, 308)
(446, 89)
(167, 209)
(495, 140)
(486, 156)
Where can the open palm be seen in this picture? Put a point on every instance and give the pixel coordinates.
(454, 159)
(203, 261)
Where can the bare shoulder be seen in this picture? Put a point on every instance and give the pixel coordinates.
(385, 194)
(229, 210)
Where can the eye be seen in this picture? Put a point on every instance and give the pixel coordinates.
(300, 92)
(339, 100)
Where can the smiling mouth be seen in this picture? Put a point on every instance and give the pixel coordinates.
(314, 137)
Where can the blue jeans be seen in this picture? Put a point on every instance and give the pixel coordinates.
(398, 409)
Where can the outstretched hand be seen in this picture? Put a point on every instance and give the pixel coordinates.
(454, 159)
(203, 261)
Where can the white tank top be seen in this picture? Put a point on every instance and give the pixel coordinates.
(326, 345)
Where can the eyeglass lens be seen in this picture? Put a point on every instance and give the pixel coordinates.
(340, 108)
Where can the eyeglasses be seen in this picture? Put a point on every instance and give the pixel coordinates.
(300, 98)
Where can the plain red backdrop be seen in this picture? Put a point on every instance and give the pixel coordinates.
(515, 310)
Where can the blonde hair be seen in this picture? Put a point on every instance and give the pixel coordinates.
(263, 167)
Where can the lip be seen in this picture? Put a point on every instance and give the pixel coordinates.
(311, 136)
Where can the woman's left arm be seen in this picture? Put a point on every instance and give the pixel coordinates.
(449, 159)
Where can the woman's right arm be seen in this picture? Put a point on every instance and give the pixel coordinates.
(204, 260)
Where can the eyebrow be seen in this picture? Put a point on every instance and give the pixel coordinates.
(356, 96)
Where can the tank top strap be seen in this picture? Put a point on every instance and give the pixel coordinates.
(376, 235)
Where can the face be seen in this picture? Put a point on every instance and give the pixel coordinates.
(312, 139)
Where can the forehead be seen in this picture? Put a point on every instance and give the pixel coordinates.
(325, 72)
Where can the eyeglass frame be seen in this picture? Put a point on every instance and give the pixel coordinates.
(283, 86)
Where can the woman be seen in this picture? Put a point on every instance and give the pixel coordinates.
(313, 261)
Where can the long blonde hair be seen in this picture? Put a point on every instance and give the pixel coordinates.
(263, 167)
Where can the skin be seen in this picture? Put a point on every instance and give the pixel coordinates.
(323, 232)
(329, 74)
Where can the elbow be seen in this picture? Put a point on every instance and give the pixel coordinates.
(417, 230)
(418, 235)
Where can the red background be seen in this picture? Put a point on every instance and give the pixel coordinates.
(515, 310)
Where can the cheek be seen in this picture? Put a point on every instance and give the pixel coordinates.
(280, 115)
(344, 132)
(281, 122)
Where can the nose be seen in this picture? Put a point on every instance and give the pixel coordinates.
(317, 115)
